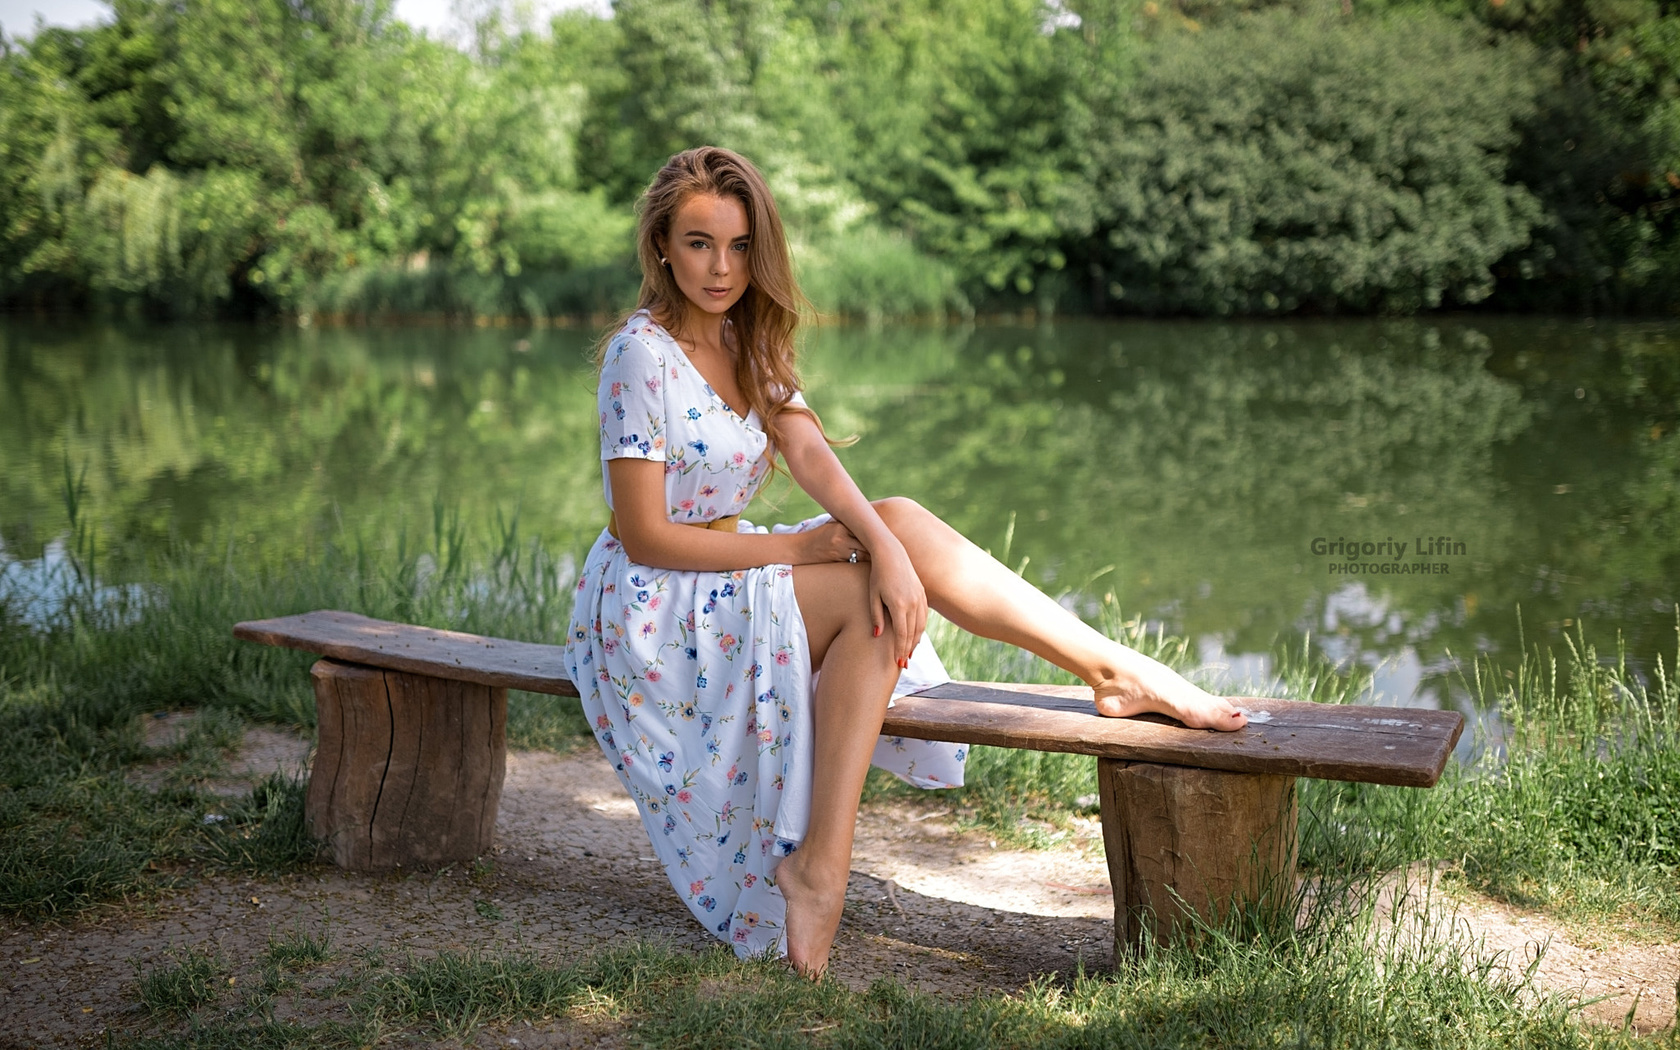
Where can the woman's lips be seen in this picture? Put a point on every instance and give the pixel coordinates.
(716, 293)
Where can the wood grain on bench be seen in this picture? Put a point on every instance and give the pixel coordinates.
(430, 651)
(1404, 746)
(1378, 745)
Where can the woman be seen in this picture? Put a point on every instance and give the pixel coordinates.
(697, 638)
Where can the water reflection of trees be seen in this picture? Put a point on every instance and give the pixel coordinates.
(283, 439)
(1197, 460)
(1201, 460)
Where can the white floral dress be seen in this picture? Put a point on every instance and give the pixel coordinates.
(699, 684)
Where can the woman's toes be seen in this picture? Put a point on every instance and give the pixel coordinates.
(1214, 712)
(1194, 707)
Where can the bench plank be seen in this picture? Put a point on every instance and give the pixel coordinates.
(1404, 746)
(1379, 745)
(430, 651)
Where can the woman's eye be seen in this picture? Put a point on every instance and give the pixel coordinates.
(739, 247)
(698, 245)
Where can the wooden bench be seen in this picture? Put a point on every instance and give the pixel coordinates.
(412, 747)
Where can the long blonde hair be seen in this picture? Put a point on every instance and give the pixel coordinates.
(766, 318)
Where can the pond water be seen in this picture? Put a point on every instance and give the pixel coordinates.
(1519, 478)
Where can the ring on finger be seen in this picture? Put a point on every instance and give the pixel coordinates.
(853, 557)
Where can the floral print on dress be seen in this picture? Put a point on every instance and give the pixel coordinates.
(698, 685)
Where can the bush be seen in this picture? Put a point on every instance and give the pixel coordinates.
(873, 274)
(1281, 162)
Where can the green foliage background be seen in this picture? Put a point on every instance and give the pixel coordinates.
(197, 157)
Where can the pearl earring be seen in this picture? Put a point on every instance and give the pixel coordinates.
(664, 261)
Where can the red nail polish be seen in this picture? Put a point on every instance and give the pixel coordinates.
(903, 663)
(877, 630)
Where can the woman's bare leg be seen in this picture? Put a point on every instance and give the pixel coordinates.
(858, 673)
(979, 594)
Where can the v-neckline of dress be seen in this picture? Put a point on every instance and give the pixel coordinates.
(746, 420)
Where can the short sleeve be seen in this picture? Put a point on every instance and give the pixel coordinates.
(795, 403)
(631, 398)
(795, 399)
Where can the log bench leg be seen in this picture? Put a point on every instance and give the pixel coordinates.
(408, 769)
(1182, 839)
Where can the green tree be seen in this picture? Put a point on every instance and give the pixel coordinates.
(1278, 162)
(1601, 154)
(960, 116)
(309, 157)
(1208, 156)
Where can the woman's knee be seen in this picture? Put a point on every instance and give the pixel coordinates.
(919, 529)
(834, 603)
(832, 597)
(902, 512)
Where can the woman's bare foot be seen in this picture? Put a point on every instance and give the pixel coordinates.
(1172, 696)
(813, 917)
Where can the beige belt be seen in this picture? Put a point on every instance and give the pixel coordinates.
(726, 524)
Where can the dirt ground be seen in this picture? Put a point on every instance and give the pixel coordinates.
(938, 909)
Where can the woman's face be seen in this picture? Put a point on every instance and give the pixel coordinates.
(707, 250)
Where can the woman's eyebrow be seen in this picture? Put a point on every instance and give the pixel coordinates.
(709, 237)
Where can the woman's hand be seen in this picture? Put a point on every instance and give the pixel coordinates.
(832, 542)
(897, 600)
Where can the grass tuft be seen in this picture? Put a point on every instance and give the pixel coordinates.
(265, 833)
(299, 949)
(209, 728)
(183, 986)
(201, 750)
(456, 992)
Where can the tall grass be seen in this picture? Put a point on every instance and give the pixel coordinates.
(1569, 806)
(1566, 803)
(864, 272)
(102, 655)
(395, 291)
(874, 274)
(81, 666)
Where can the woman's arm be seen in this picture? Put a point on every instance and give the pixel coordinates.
(650, 538)
(631, 399)
(896, 594)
